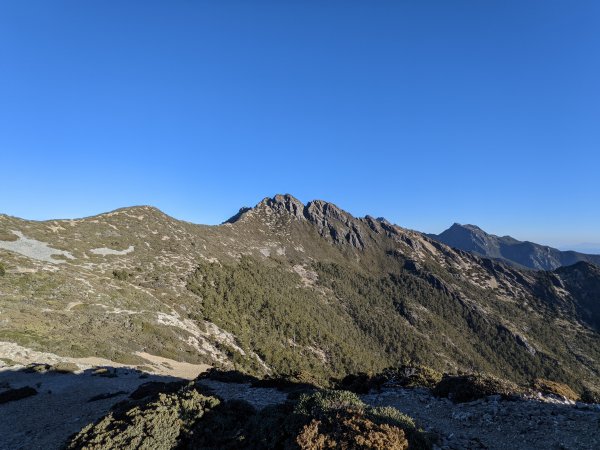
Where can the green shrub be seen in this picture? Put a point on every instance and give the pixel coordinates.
(332, 412)
(361, 383)
(158, 425)
(187, 419)
(2, 269)
(351, 431)
(419, 440)
(466, 388)
(324, 402)
(413, 376)
(274, 427)
(391, 416)
(405, 376)
(224, 427)
(227, 376)
(119, 274)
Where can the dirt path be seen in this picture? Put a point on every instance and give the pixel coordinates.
(156, 365)
(165, 366)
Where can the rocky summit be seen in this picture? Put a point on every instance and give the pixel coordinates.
(286, 290)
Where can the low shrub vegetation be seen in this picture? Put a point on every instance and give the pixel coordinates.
(288, 324)
(350, 430)
(467, 388)
(408, 376)
(322, 403)
(339, 419)
(555, 388)
(122, 275)
(158, 425)
(187, 419)
(413, 376)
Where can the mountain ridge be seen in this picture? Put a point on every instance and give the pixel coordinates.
(288, 287)
(315, 210)
(524, 254)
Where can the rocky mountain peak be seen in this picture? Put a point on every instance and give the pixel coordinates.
(315, 211)
(466, 228)
(334, 223)
(319, 210)
(279, 204)
(331, 222)
(283, 203)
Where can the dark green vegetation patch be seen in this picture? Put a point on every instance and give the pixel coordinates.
(354, 321)
(466, 388)
(189, 419)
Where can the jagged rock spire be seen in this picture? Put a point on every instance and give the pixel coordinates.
(285, 203)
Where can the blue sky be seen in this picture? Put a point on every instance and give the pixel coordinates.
(425, 112)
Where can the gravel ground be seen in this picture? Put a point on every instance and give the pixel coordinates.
(497, 424)
(61, 407)
(34, 249)
(490, 423)
(257, 397)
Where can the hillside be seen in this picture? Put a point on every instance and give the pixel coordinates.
(524, 254)
(287, 288)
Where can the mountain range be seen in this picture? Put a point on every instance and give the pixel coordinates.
(522, 254)
(286, 287)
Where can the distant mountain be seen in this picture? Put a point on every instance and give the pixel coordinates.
(524, 254)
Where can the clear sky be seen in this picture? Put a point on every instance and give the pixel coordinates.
(425, 112)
